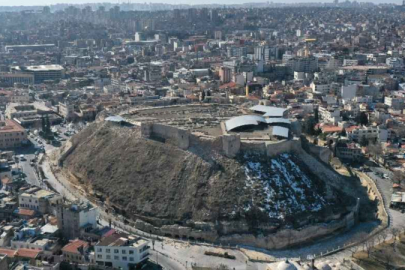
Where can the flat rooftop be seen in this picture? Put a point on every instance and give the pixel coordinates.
(45, 68)
(121, 239)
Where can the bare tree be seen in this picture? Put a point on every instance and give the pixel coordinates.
(382, 237)
(388, 257)
(385, 235)
(375, 149)
(398, 177)
(395, 233)
(368, 246)
(354, 249)
(222, 267)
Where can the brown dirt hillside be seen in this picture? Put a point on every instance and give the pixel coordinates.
(146, 178)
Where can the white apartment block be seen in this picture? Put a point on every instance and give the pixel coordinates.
(369, 133)
(121, 251)
(317, 87)
(394, 102)
(330, 115)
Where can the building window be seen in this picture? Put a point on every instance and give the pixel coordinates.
(124, 258)
(116, 257)
(100, 250)
(107, 250)
(124, 251)
(99, 256)
(131, 252)
(108, 257)
(116, 251)
(131, 259)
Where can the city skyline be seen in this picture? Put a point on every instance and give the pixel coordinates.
(191, 2)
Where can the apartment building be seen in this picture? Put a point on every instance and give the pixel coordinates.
(320, 87)
(371, 133)
(16, 110)
(121, 251)
(10, 79)
(349, 152)
(75, 251)
(74, 218)
(42, 73)
(66, 110)
(11, 134)
(38, 199)
(394, 102)
(330, 115)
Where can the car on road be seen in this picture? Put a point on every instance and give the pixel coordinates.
(22, 158)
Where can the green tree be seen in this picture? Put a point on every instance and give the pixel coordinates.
(316, 115)
(363, 119)
(363, 141)
(43, 124)
(48, 125)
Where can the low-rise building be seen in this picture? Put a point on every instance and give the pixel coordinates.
(349, 151)
(122, 251)
(75, 252)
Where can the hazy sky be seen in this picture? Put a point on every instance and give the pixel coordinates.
(47, 2)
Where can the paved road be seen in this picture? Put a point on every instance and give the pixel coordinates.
(321, 246)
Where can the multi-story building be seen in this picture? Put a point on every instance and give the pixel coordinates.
(12, 134)
(74, 217)
(330, 115)
(121, 251)
(320, 87)
(303, 64)
(395, 103)
(43, 72)
(236, 51)
(10, 79)
(225, 74)
(19, 97)
(38, 199)
(32, 48)
(15, 110)
(371, 133)
(66, 110)
(349, 152)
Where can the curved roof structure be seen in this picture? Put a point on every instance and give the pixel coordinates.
(269, 111)
(280, 131)
(244, 120)
(277, 121)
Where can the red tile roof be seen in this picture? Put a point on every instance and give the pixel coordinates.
(331, 129)
(28, 253)
(228, 85)
(351, 128)
(9, 252)
(73, 246)
(26, 212)
(6, 181)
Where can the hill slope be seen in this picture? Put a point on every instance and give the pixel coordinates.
(164, 184)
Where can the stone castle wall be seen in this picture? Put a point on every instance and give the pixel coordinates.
(231, 146)
(280, 239)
